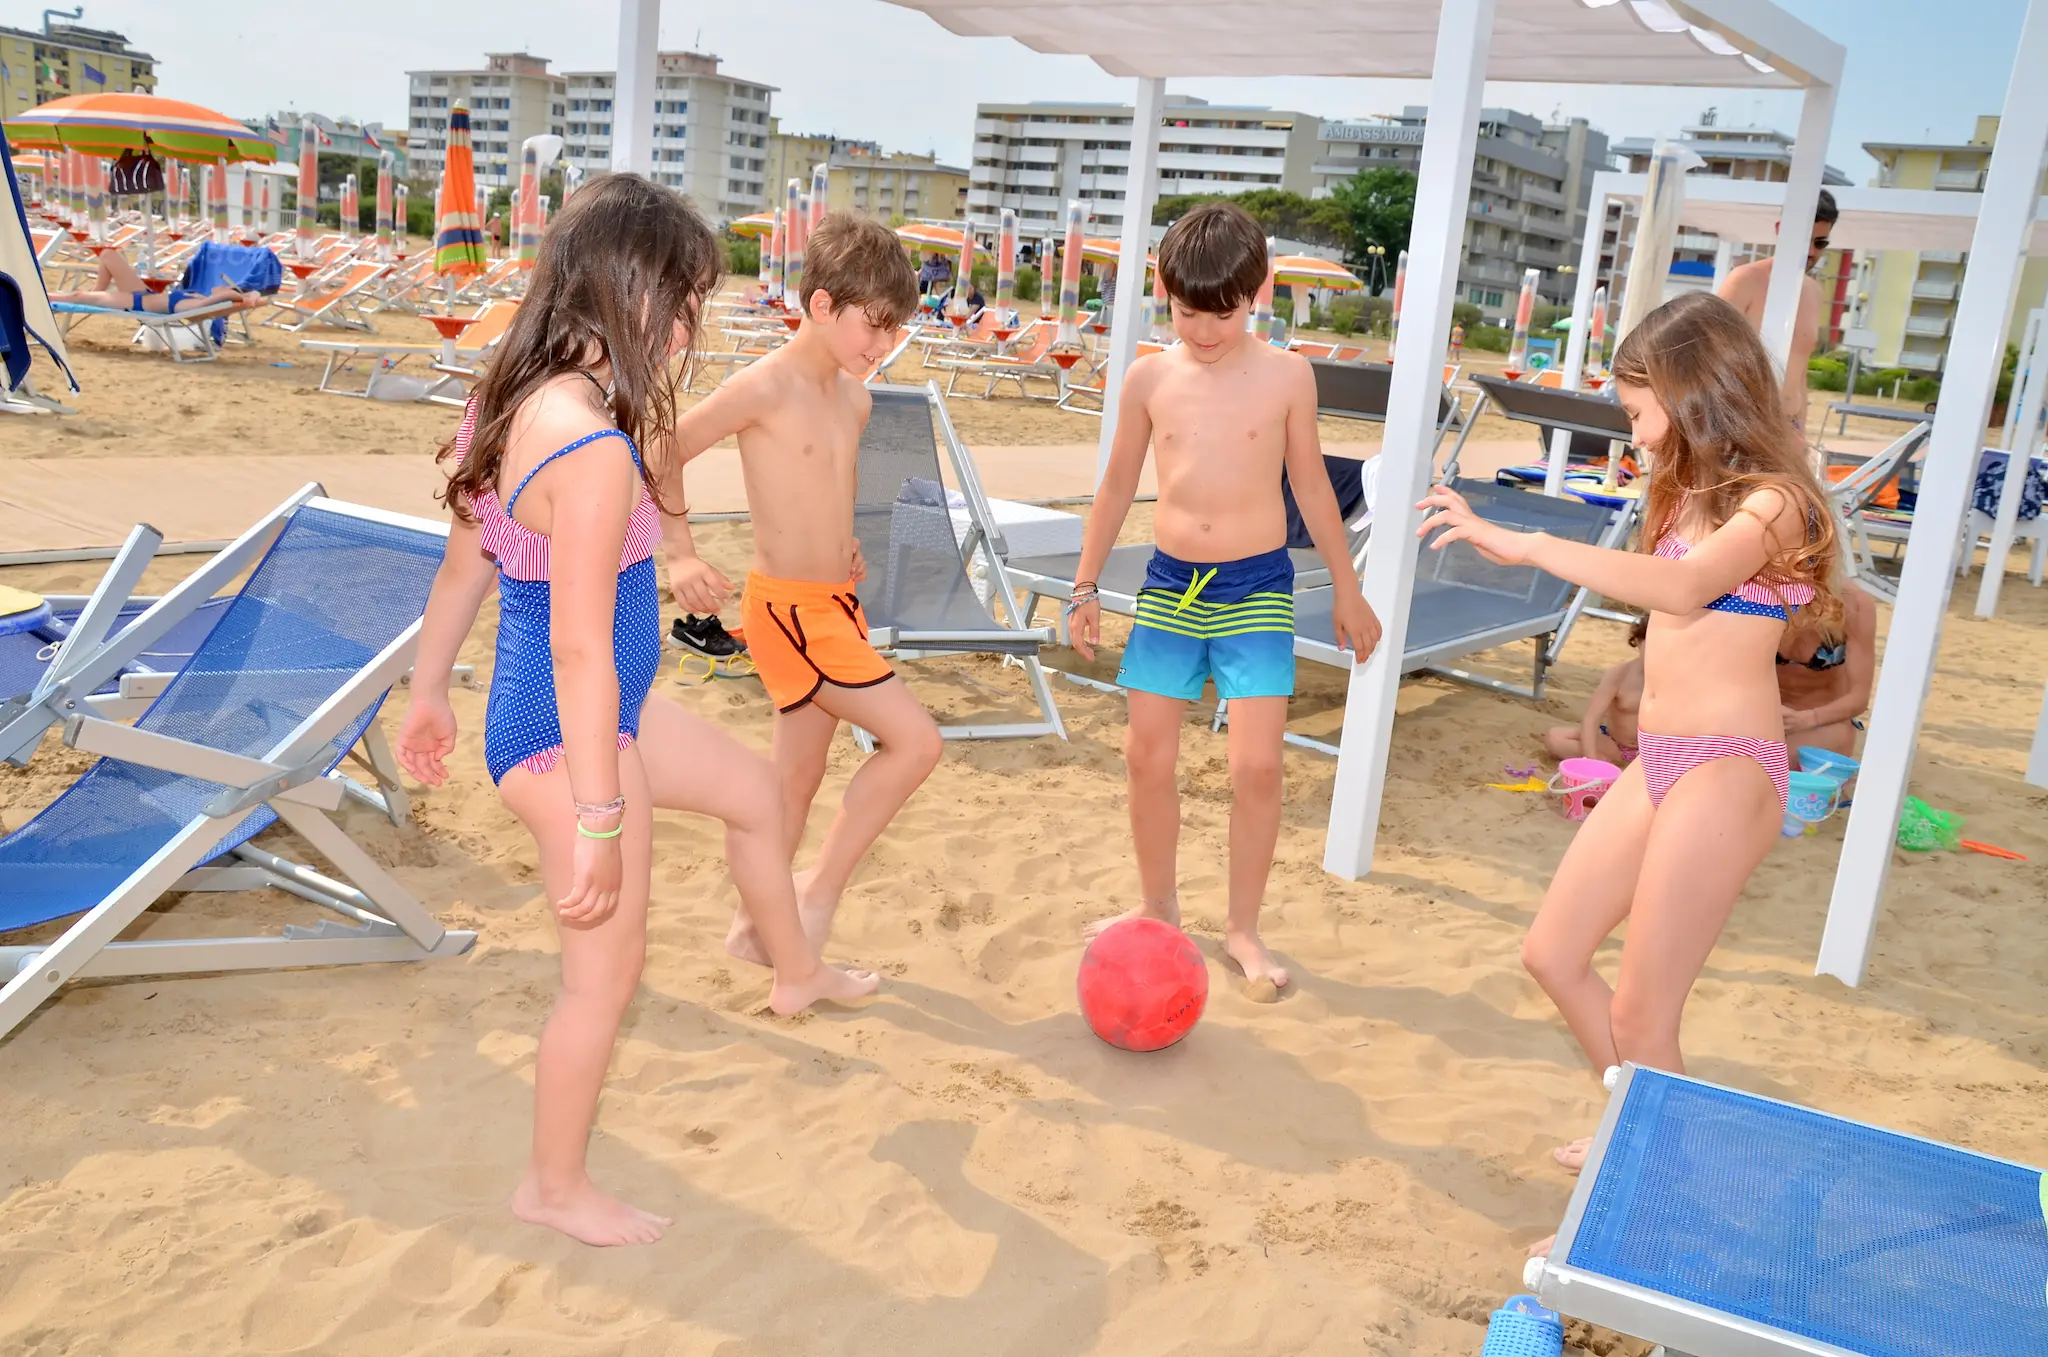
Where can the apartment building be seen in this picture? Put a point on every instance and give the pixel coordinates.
(347, 138)
(1034, 158)
(1911, 295)
(1531, 184)
(711, 131)
(513, 97)
(914, 187)
(65, 59)
(791, 155)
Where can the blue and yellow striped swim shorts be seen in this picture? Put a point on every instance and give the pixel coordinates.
(1230, 621)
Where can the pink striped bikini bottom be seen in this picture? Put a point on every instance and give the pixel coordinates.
(1667, 758)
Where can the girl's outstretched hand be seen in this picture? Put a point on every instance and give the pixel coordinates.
(426, 738)
(594, 878)
(1502, 546)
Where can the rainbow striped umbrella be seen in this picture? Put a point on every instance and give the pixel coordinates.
(401, 203)
(1070, 275)
(105, 125)
(384, 205)
(351, 205)
(526, 213)
(309, 188)
(772, 248)
(248, 207)
(1048, 253)
(458, 230)
(96, 196)
(793, 216)
(1596, 334)
(963, 278)
(929, 236)
(821, 183)
(1525, 307)
(1162, 310)
(217, 176)
(1300, 270)
(1006, 264)
(759, 226)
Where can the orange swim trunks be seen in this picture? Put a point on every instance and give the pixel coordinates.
(803, 635)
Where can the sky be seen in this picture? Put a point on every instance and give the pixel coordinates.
(875, 71)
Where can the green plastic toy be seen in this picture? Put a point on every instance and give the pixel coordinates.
(1923, 829)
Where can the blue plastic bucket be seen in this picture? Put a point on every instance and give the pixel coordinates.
(1811, 801)
(1827, 763)
(1523, 1328)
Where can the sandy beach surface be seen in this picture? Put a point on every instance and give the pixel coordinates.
(317, 1162)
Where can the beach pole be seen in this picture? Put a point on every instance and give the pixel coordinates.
(1262, 305)
(1442, 197)
(1795, 223)
(633, 101)
(1947, 483)
(1141, 191)
(2021, 448)
(1587, 297)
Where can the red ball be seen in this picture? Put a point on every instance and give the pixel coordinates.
(1143, 984)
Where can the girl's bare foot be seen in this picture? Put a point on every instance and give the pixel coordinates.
(583, 1213)
(825, 982)
(1166, 911)
(743, 942)
(814, 913)
(1264, 977)
(1573, 1156)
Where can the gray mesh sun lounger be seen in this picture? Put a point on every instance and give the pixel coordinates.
(918, 595)
(249, 731)
(1724, 1225)
(1464, 604)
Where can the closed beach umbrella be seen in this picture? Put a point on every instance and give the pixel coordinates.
(1070, 275)
(1048, 288)
(309, 187)
(821, 182)
(248, 205)
(772, 248)
(401, 202)
(1650, 265)
(765, 273)
(458, 230)
(1006, 264)
(351, 206)
(384, 205)
(218, 172)
(963, 276)
(793, 243)
(1400, 291)
(1596, 335)
(1525, 307)
(1162, 310)
(265, 207)
(1262, 305)
(96, 196)
(526, 216)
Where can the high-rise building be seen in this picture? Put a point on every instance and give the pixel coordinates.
(1531, 184)
(791, 155)
(1034, 158)
(710, 131)
(512, 98)
(65, 59)
(1912, 294)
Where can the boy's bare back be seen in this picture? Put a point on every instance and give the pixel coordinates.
(799, 447)
(1219, 440)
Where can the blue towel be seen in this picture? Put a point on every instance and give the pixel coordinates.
(248, 267)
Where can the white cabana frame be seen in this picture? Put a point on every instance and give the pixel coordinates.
(1947, 482)
(1458, 45)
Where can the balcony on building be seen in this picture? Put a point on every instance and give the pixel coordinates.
(1960, 181)
(1934, 292)
(1920, 360)
(1931, 327)
(1941, 256)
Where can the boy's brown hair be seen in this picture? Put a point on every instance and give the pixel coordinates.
(859, 262)
(1214, 258)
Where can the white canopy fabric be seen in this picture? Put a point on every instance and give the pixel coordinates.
(1746, 211)
(1721, 43)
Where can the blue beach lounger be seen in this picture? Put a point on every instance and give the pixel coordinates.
(249, 731)
(1725, 1225)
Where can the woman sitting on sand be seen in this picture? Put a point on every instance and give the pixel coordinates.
(1824, 676)
(118, 287)
(1740, 540)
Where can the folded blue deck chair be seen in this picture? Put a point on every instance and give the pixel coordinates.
(1715, 1223)
(25, 656)
(249, 731)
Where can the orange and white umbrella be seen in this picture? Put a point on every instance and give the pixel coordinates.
(759, 226)
(309, 188)
(458, 229)
(1300, 270)
(928, 235)
(105, 125)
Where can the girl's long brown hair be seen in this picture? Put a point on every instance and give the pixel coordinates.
(618, 267)
(1729, 437)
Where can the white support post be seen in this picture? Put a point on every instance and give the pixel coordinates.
(1724, 260)
(2037, 758)
(1457, 83)
(1946, 483)
(2030, 345)
(1576, 342)
(633, 99)
(1795, 224)
(2021, 449)
(1133, 297)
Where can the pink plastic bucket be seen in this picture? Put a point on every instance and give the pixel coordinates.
(1581, 783)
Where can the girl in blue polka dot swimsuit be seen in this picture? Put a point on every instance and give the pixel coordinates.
(552, 503)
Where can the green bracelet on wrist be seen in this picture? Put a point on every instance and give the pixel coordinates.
(593, 834)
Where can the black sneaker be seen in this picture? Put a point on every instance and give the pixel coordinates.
(704, 636)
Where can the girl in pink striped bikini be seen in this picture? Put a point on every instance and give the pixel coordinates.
(1743, 539)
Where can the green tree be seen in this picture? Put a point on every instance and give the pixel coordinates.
(1379, 205)
(1277, 211)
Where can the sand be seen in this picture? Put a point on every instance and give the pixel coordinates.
(317, 1161)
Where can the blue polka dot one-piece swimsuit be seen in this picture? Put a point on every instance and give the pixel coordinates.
(522, 726)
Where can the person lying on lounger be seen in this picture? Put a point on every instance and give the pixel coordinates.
(118, 287)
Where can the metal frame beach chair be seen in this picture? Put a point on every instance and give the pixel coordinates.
(342, 299)
(26, 656)
(1028, 356)
(1716, 1222)
(1855, 501)
(344, 356)
(250, 731)
(918, 597)
(1580, 413)
(187, 336)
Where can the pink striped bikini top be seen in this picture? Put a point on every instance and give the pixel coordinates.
(522, 553)
(1754, 597)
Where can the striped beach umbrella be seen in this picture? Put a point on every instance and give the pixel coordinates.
(458, 228)
(248, 207)
(1525, 308)
(351, 205)
(765, 256)
(1400, 291)
(1262, 305)
(1162, 310)
(793, 216)
(384, 204)
(821, 184)
(1048, 291)
(265, 209)
(105, 125)
(928, 236)
(757, 226)
(1300, 270)
(526, 212)
(1006, 264)
(96, 196)
(401, 203)
(218, 173)
(309, 187)
(963, 277)
(1596, 333)
(1070, 275)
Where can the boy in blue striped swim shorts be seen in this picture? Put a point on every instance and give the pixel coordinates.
(1225, 415)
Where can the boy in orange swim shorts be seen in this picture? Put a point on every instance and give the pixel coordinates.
(798, 415)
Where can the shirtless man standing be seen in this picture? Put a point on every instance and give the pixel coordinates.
(1226, 416)
(1745, 288)
(798, 415)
